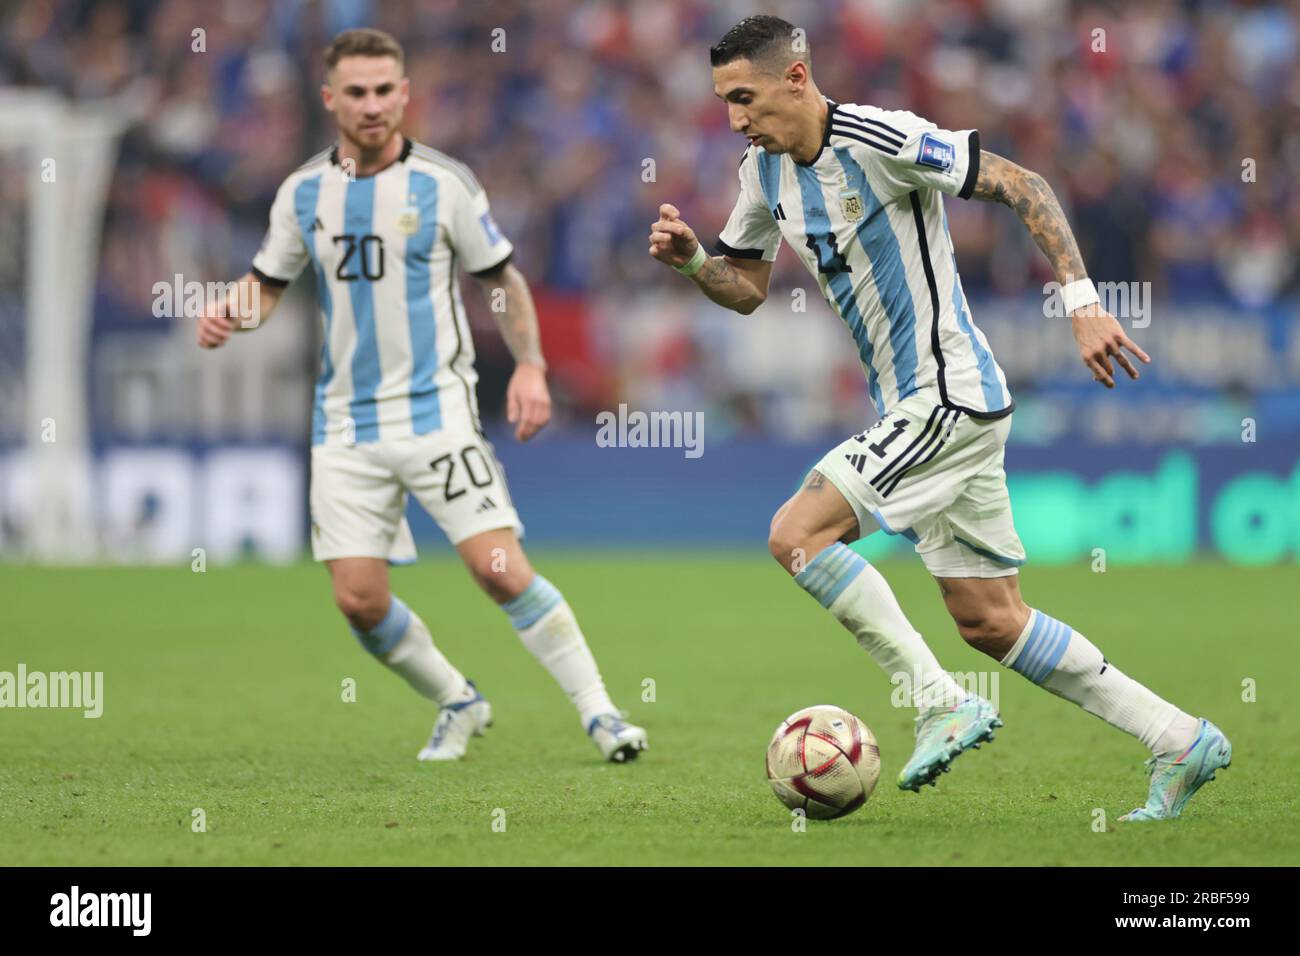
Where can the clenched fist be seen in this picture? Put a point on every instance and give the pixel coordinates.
(672, 241)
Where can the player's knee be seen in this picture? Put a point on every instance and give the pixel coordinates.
(363, 607)
(794, 547)
(782, 543)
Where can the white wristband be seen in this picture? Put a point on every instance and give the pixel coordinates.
(1077, 294)
(696, 262)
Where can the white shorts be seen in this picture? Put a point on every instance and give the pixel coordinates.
(358, 493)
(935, 476)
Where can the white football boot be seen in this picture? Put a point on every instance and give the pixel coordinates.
(618, 740)
(456, 723)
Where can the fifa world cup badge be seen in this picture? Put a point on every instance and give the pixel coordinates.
(408, 221)
(851, 205)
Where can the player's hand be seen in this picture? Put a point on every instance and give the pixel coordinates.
(671, 240)
(528, 401)
(1100, 338)
(214, 325)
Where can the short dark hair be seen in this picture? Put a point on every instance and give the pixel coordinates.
(363, 42)
(766, 41)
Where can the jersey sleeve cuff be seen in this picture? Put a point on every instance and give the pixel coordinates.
(272, 281)
(735, 253)
(484, 273)
(972, 165)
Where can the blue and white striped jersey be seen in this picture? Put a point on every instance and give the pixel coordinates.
(866, 217)
(397, 359)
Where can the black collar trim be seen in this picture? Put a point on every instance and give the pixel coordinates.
(407, 145)
(831, 107)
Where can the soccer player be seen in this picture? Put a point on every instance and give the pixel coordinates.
(385, 223)
(857, 191)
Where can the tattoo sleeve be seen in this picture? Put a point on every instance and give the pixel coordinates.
(517, 318)
(1032, 199)
(724, 284)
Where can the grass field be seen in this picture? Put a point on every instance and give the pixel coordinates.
(222, 691)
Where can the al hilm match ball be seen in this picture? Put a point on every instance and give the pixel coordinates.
(824, 761)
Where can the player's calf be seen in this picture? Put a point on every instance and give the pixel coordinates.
(363, 609)
(548, 628)
(361, 590)
(497, 563)
(993, 633)
(989, 612)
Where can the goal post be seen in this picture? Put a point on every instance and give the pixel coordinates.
(57, 158)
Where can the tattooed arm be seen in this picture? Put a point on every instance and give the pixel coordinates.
(1029, 196)
(736, 284)
(1097, 333)
(528, 401)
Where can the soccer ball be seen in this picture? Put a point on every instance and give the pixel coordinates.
(824, 761)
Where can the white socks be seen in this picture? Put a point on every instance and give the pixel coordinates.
(403, 643)
(1063, 661)
(547, 626)
(1048, 652)
(860, 599)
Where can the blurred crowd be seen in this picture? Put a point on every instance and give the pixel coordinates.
(1170, 130)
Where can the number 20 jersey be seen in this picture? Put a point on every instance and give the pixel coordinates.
(866, 217)
(397, 358)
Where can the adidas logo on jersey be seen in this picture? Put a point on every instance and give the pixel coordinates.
(487, 504)
(857, 461)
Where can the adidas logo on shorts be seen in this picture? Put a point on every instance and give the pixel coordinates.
(857, 461)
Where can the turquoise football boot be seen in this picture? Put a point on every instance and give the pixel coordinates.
(944, 733)
(1173, 781)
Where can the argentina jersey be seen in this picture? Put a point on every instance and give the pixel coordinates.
(866, 217)
(397, 358)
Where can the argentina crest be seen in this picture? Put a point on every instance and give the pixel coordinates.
(408, 220)
(851, 205)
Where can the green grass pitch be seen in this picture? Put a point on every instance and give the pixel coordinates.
(223, 691)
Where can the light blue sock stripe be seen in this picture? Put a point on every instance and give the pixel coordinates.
(1053, 655)
(834, 564)
(538, 599)
(426, 412)
(389, 631)
(842, 560)
(1021, 665)
(819, 583)
(1046, 642)
(1044, 649)
(1038, 641)
(830, 573)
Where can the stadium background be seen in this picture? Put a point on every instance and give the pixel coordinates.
(1146, 144)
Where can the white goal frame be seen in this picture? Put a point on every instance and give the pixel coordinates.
(69, 151)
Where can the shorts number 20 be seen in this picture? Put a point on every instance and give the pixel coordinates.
(476, 466)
